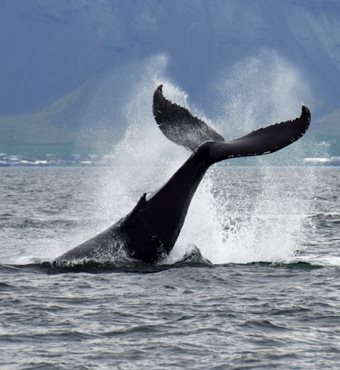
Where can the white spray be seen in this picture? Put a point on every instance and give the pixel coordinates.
(238, 215)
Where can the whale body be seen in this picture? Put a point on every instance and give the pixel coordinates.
(149, 232)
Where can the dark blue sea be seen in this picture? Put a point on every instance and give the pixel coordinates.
(252, 283)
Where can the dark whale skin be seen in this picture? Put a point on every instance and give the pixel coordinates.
(149, 232)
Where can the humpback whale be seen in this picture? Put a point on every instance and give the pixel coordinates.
(149, 232)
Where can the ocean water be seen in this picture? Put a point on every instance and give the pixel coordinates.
(253, 280)
(262, 293)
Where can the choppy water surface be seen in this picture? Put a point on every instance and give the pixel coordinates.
(269, 298)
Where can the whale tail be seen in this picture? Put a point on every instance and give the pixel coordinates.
(181, 127)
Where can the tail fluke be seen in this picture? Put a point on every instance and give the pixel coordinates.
(264, 140)
(179, 125)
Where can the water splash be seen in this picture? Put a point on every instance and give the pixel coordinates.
(240, 214)
(262, 90)
(144, 159)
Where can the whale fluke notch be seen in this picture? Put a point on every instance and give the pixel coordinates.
(179, 125)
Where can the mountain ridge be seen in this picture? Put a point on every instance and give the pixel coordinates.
(51, 49)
